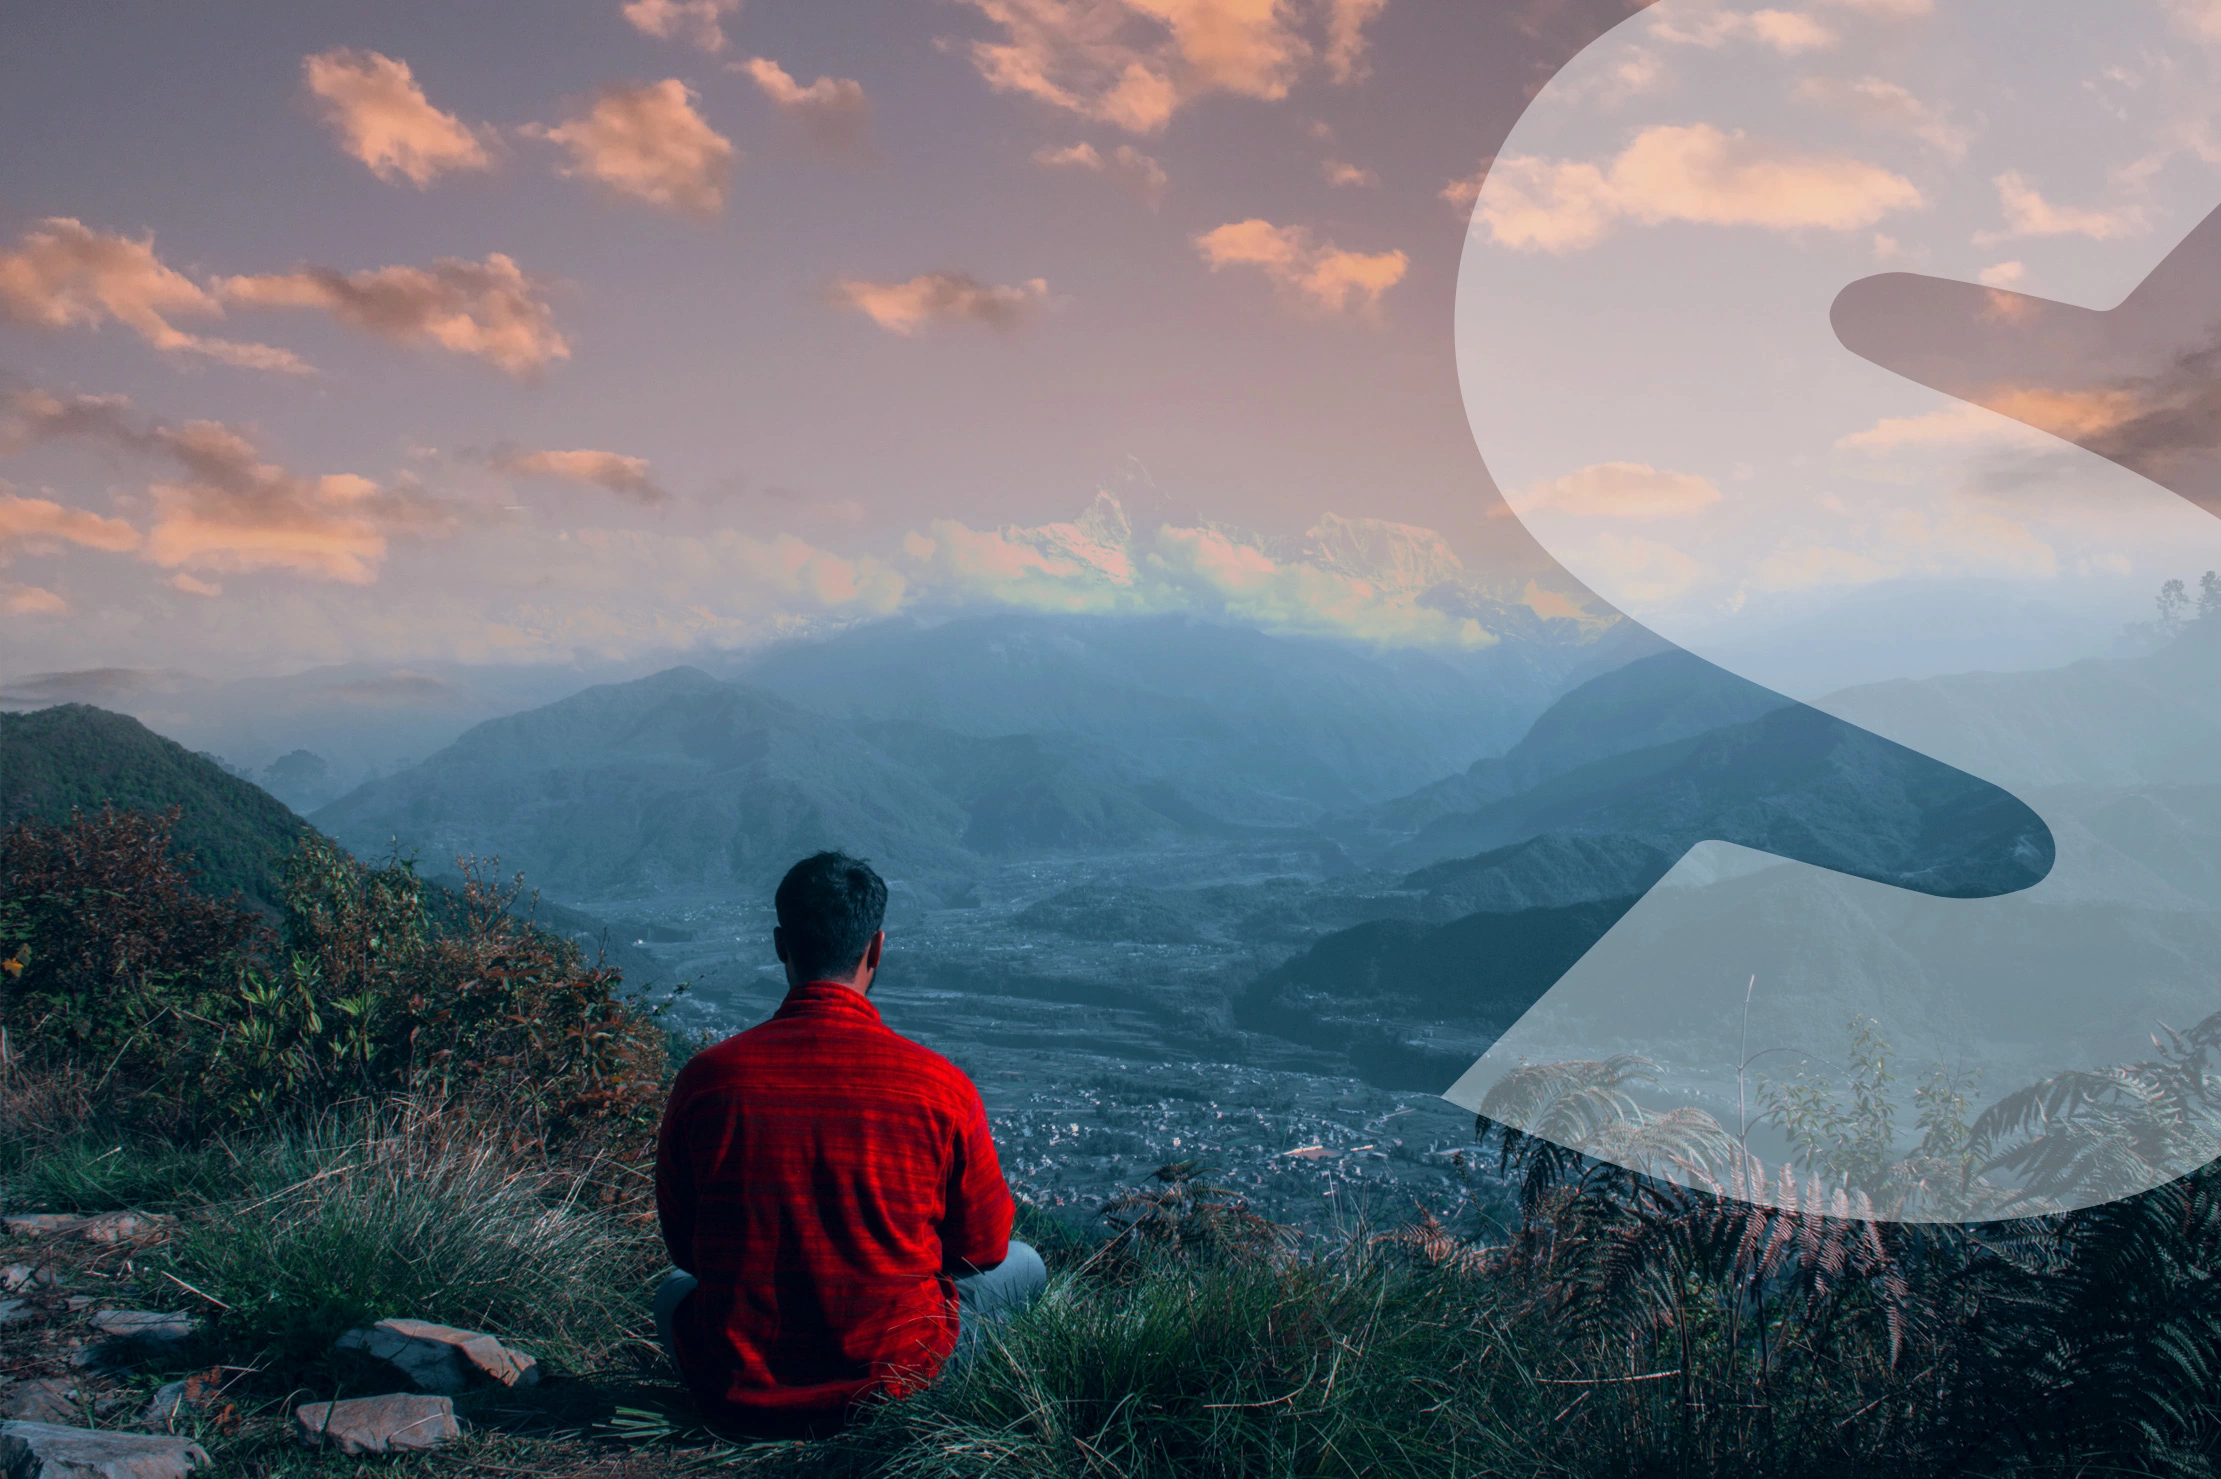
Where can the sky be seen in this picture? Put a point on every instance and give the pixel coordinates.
(532, 333)
(1836, 283)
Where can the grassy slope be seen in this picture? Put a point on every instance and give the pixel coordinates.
(75, 755)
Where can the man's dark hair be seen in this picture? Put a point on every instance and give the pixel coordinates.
(830, 905)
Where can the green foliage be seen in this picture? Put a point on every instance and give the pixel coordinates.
(195, 1016)
(76, 758)
(376, 1214)
(92, 1173)
(112, 961)
(1847, 1140)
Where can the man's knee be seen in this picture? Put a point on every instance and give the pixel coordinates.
(1010, 1285)
(1028, 1273)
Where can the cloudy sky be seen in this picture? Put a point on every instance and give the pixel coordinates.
(1699, 220)
(517, 332)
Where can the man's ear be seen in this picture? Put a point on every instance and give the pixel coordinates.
(871, 951)
(779, 943)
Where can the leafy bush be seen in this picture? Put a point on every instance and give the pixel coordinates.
(200, 1017)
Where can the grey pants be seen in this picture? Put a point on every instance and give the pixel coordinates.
(981, 1299)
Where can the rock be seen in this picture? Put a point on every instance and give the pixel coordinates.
(133, 1336)
(400, 1422)
(40, 1400)
(441, 1358)
(79, 1302)
(106, 1227)
(34, 1450)
(115, 1227)
(14, 1310)
(167, 1403)
(17, 1277)
(155, 1327)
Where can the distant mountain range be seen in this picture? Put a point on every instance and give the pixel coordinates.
(1555, 841)
(933, 747)
(1259, 728)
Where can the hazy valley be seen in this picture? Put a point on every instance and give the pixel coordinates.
(1170, 889)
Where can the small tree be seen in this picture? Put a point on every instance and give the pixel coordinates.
(2173, 602)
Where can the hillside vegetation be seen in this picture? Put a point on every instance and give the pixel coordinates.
(375, 1113)
(77, 757)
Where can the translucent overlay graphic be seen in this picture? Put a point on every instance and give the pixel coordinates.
(1761, 311)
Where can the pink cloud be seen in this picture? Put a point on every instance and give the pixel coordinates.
(1134, 63)
(1694, 173)
(627, 477)
(1319, 275)
(938, 297)
(832, 112)
(62, 274)
(650, 144)
(700, 22)
(1144, 176)
(34, 525)
(224, 509)
(487, 310)
(383, 119)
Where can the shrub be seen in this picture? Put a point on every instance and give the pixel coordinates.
(191, 1015)
(113, 963)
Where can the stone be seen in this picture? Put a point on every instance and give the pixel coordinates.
(13, 1311)
(400, 1422)
(441, 1358)
(34, 1450)
(105, 1227)
(166, 1404)
(17, 1277)
(116, 1227)
(40, 1400)
(133, 1336)
(155, 1327)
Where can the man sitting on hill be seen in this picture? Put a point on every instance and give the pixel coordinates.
(829, 1190)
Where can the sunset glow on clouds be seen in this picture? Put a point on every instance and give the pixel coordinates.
(1100, 564)
(699, 22)
(681, 436)
(832, 112)
(2028, 213)
(648, 143)
(938, 297)
(488, 310)
(219, 506)
(62, 275)
(1137, 171)
(1134, 63)
(1696, 173)
(383, 118)
(627, 477)
(1621, 490)
(31, 523)
(1318, 274)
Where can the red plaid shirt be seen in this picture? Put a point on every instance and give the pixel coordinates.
(823, 1177)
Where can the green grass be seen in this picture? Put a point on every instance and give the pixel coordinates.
(1346, 1356)
(83, 1172)
(365, 1218)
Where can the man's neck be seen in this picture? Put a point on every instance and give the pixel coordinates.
(860, 985)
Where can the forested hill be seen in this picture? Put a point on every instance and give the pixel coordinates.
(75, 755)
